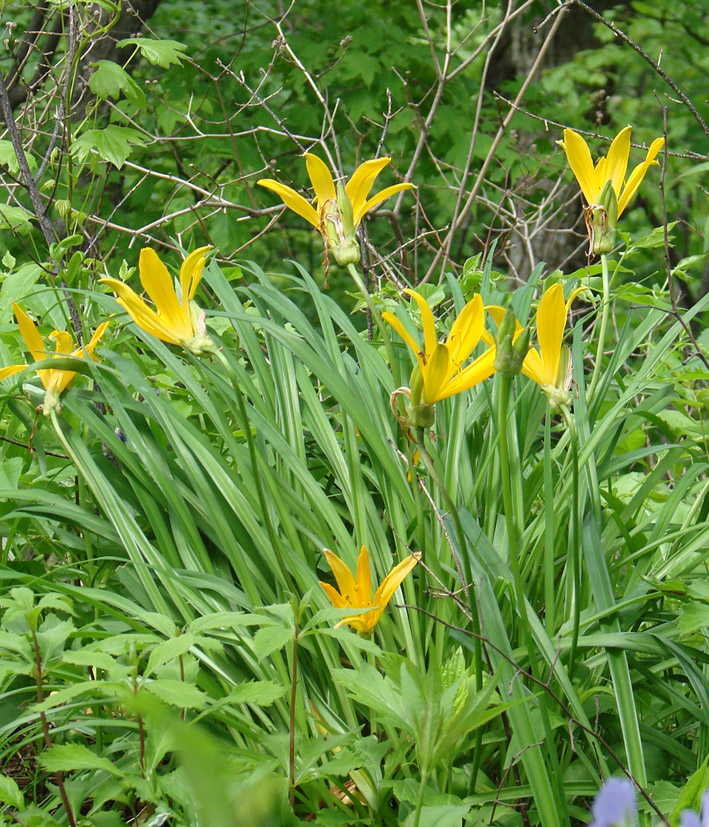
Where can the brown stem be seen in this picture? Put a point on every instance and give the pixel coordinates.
(58, 777)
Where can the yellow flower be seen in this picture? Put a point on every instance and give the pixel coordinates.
(612, 168)
(54, 381)
(441, 363)
(357, 594)
(177, 321)
(548, 366)
(357, 189)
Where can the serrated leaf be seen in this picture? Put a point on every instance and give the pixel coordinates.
(112, 144)
(168, 650)
(177, 693)
(110, 80)
(261, 693)
(271, 638)
(68, 757)
(10, 793)
(224, 620)
(158, 52)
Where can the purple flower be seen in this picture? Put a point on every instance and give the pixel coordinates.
(690, 819)
(615, 805)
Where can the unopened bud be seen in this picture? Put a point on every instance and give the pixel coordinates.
(601, 219)
(511, 346)
(339, 228)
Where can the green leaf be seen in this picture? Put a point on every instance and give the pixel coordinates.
(271, 638)
(168, 650)
(261, 693)
(691, 796)
(110, 79)
(10, 793)
(177, 693)
(158, 52)
(113, 144)
(15, 219)
(8, 158)
(68, 757)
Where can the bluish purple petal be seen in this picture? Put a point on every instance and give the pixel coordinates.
(615, 805)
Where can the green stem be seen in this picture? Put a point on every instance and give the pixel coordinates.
(251, 443)
(549, 578)
(514, 542)
(605, 313)
(575, 550)
(419, 799)
(383, 331)
(473, 606)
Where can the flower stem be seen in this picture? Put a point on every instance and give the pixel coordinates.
(605, 312)
(574, 556)
(376, 315)
(253, 457)
(465, 581)
(291, 719)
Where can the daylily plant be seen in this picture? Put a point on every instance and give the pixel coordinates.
(175, 320)
(549, 365)
(357, 593)
(440, 372)
(55, 381)
(611, 168)
(338, 210)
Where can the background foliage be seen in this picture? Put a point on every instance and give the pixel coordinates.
(168, 655)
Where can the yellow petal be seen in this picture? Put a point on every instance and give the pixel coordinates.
(361, 182)
(337, 600)
(30, 334)
(637, 175)
(364, 579)
(436, 374)
(95, 339)
(158, 284)
(63, 345)
(391, 319)
(363, 623)
(191, 273)
(293, 200)
(479, 370)
(579, 157)
(551, 320)
(429, 325)
(533, 367)
(321, 179)
(344, 577)
(145, 317)
(10, 370)
(466, 330)
(617, 162)
(387, 192)
(392, 582)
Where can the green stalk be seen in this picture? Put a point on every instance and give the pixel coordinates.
(514, 541)
(465, 581)
(246, 428)
(383, 332)
(605, 312)
(574, 555)
(549, 580)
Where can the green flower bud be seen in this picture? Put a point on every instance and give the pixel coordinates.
(510, 350)
(601, 219)
(339, 227)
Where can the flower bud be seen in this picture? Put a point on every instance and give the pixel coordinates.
(511, 347)
(339, 228)
(601, 219)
